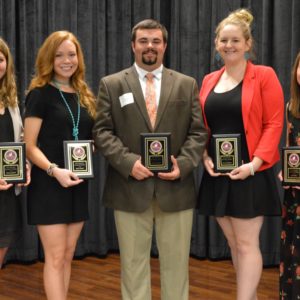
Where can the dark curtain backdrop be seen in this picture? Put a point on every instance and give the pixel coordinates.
(103, 28)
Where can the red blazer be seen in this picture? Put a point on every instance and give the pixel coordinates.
(262, 110)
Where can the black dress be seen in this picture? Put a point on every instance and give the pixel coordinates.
(290, 235)
(220, 196)
(10, 206)
(48, 201)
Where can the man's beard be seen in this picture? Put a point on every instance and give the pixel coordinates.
(149, 62)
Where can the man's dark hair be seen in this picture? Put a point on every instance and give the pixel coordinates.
(149, 24)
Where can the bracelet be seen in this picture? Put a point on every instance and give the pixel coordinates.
(251, 168)
(49, 171)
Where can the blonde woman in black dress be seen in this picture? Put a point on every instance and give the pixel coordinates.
(11, 130)
(59, 106)
(246, 99)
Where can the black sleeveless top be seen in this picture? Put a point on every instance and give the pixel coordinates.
(224, 115)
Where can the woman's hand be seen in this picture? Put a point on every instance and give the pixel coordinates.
(286, 187)
(4, 186)
(28, 175)
(241, 172)
(246, 170)
(209, 165)
(65, 177)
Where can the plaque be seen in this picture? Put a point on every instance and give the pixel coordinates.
(227, 152)
(155, 151)
(78, 158)
(291, 165)
(13, 162)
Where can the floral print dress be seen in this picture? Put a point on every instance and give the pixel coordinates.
(290, 235)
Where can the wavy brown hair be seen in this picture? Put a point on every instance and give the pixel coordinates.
(44, 68)
(294, 106)
(8, 87)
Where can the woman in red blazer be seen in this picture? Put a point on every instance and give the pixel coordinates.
(245, 100)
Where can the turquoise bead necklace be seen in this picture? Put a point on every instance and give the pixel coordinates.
(75, 131)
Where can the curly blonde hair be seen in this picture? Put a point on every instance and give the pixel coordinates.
(44, 68)
(8, 87)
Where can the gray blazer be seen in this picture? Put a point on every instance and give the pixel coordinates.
(117, 135)
(18, 131)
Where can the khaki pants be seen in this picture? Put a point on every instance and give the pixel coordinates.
(173, 236)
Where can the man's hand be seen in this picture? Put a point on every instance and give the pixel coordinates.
(140, 172)
(174, 174)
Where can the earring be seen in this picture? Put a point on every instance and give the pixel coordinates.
(218, 57)
(247, 55)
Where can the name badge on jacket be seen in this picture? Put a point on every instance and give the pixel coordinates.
(126, 99)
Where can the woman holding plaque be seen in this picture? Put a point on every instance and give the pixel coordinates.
(59, 107)
(290, 235)
(11, 130)
(245, 100)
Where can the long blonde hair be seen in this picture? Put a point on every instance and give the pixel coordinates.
(44, 68)
(294, 104)
(8, 87)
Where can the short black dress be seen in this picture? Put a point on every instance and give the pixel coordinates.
(220, 196)
(10, 206)
(48, 201)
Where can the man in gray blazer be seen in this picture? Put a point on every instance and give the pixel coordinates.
(140, 198)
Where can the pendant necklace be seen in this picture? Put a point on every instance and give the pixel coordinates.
(75, 131)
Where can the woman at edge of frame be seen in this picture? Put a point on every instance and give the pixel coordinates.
(11, 129)
(289, 280)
